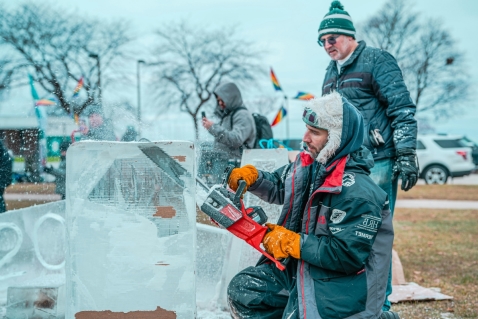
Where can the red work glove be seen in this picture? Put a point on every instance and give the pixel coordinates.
(281, 242)
(247, 173)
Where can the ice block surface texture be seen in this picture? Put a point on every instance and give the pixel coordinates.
(130, 219)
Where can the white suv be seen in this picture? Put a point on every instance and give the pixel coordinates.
(442, 156)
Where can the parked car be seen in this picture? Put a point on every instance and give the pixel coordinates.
(465, 141)
(443, 156)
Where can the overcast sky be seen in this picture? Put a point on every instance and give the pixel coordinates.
(288, 30)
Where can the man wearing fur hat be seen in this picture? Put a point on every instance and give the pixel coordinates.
(372, 81)
(335, 226)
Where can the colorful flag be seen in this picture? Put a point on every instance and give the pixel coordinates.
(45, 102)
(275, 82)
(76, 92)
(304, 96)
(280, 115)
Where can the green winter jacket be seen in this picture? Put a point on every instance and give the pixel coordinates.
(372, 81)
(345, 225)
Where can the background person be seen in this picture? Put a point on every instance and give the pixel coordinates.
(228, 138)
(99, 128)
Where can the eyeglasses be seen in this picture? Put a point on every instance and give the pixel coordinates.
(331, 40)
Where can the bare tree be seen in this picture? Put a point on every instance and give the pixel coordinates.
(9, 73)
(392, 28)
(191, 62)
(59, 48)
(432, 66)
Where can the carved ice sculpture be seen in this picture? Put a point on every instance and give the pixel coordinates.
(130, 220)
(32, 261)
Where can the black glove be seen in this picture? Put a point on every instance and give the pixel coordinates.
(406, 167)
(48, 169)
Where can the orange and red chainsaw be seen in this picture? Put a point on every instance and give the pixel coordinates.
(227, 209)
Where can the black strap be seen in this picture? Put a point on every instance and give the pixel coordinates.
(234, 112)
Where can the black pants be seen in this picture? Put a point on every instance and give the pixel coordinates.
(2, 201)
(264, 292)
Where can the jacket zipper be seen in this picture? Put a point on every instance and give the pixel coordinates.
(352, 79)
(338, 79)
(292, 195)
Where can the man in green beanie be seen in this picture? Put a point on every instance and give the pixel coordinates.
(372, 81)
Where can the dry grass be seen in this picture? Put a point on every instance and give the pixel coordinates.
(450, 192)
(31, 188)
(28, 188)
(438, 249)
(18, 204)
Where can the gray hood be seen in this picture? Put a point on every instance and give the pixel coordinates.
(230, 94)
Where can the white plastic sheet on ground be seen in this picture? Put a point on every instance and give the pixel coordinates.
(131, 230)
(32, 261)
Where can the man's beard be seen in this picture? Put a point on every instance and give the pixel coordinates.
(312, 151)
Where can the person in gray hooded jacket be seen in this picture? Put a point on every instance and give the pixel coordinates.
(228, 138)
(335, 226)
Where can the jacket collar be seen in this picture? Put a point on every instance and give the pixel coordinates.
(333, 181)
(334, 172)
(352, 58)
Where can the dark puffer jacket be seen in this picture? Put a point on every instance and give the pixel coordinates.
(372, 81)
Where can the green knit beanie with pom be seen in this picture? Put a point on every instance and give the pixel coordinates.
(337, 21)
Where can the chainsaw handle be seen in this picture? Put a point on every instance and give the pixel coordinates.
(284, 262)
(240, 190)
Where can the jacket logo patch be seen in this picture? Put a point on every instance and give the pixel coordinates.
(335, 230)
(348, 179)
(337, 216)
(364, 235)
(321, 220)
(369, 223)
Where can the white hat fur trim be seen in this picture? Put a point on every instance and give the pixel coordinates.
(329, 111)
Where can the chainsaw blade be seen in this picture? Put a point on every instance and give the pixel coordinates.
(165, 162)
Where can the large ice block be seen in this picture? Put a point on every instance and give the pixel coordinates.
(130, 220)
(32, 249)
(213, 253)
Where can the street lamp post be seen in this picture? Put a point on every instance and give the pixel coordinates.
(139, 94)
(97, 57)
